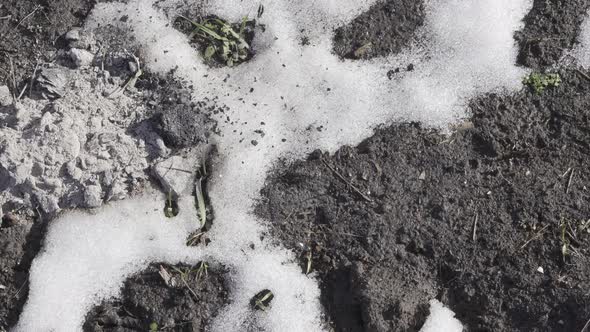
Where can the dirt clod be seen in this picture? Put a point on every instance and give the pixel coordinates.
(186, 301)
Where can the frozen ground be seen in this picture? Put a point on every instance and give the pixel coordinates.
(466, 48)
(293, 87)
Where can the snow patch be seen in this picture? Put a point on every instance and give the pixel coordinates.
(466, 48)
(441, 319)
(582, 52)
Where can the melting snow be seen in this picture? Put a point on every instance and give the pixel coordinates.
(441, 319)
(582, 51)
(465, 48)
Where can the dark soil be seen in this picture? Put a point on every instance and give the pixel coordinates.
(20, 241)
(173, 306)
(407, 234)
(551, 28)
(469, 218)
(34, 32)
(181, 122)
(384, 29)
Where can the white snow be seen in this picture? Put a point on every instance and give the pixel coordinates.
(441, 319)
(466, 48)
(582, 52)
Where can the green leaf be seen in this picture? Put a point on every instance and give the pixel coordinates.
(243, 27)
(209, 52)
(201, 203)
(225, 51)
(205, 29)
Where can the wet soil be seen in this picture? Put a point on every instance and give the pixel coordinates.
(472, 218)
(551, 27)
(384, 29)
(492, 220)
(21, 233)
(187, 301)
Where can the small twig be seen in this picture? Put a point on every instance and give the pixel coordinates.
(131, 81)
(585, 328)
(22, 92)
(26, 17)
(20, 289)
(180, 170)
(189, 287)
(534, 237)
(566, 172)
(583, 74)
(569, 181)
(19, 23)
(5, 17)
(475, 227)
(33, 79)
(13, 76)
(365, 197)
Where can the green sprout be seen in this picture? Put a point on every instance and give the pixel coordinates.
(201, 202)
(539, 82)
(202, 270)
(224, 42)
(153, 327)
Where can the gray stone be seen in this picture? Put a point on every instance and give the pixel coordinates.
(176, 174)
(5, 96)
(73, 35)
(81, 58)
(52, 82)
(85, 41)
(48, 203)
(93, 196)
